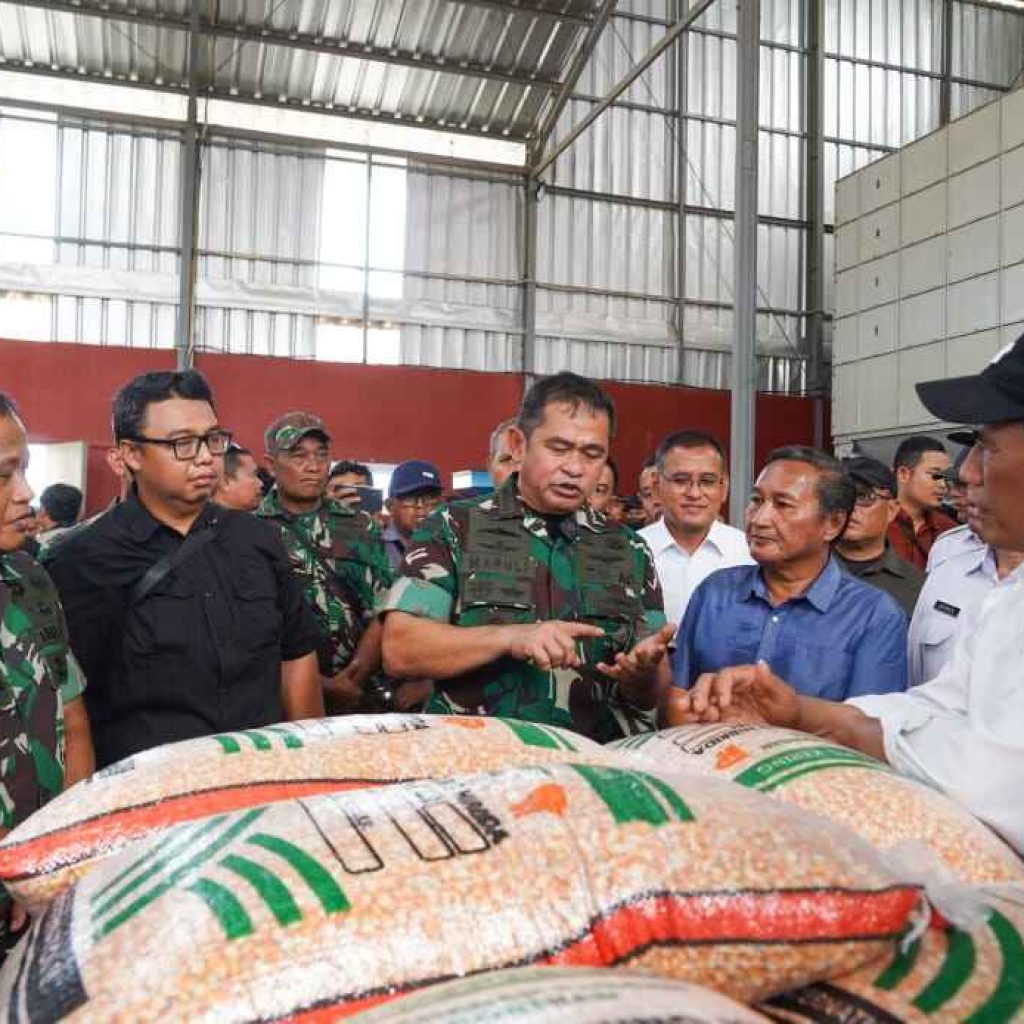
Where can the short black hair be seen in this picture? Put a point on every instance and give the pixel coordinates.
(266, 479)
(132, 401)
(350, 466)
(233, 460)
(7, 406)
(687, 439)
(912, 449)
(568, 388)
(62, 503)
(650, 462)
(615, 473)
(836, 490)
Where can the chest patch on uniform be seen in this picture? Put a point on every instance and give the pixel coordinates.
(947, 609)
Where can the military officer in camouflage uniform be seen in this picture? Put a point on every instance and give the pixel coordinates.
(527, 603)
(44, 730)
(338, 554)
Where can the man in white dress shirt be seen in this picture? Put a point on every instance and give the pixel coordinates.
(689, 542)
(952, 590)
(962, 732)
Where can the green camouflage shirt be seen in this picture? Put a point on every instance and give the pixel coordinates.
(34, 654)
(513, 572)
(339, 555)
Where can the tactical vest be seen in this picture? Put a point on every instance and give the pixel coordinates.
(497, 579)
(33, 711)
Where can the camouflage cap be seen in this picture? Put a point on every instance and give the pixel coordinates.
(288, 430)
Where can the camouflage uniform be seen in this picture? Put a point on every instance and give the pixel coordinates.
(338, 554)
(39, 676)
(490, 561)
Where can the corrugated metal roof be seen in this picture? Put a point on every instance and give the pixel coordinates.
(463, 64)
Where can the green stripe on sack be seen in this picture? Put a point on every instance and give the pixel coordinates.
(156, 860)
(229, 744)
(957, 968)
(182, 871)
(1008, 996)
(531, 735)
(785, 780)
(672, 798)
(270, 888)
(331, 896)
(631, 796)
(225, 906)
(257, 739)
(291, 741)
(899, 968)
(767, 773)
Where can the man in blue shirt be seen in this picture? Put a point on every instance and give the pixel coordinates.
(829, 635)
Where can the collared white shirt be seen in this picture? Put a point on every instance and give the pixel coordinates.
(952, 543)
(681, 573)
(963, 732)
(952, 588)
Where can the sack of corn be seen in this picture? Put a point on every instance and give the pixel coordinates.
(346, 900)
(842, 784)
(947, 976)
(141, 795)
(557, 995)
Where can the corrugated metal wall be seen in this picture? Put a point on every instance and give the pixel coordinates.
(308, 253)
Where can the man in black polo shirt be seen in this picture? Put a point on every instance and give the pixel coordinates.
(185, 616)
(864, 550)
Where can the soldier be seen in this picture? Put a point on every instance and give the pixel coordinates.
(44, 730)
(527, 603)
(339, 556)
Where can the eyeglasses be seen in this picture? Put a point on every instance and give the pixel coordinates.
(686, 482)
(427, 501)
(187, 447)
(865, 499)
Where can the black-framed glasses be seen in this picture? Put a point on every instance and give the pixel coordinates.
(187, 447)
(867, 498)
(427, 501)
(686, 482)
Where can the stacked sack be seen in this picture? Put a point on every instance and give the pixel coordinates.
(330, 901)
(973, 972)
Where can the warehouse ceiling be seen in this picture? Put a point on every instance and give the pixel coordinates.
(482, 67)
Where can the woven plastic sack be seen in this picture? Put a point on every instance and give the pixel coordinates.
(949, 975)
(351, 899)
(137, 797)
(554, 995)
(842, 784)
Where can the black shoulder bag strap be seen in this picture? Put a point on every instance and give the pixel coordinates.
(158, 570)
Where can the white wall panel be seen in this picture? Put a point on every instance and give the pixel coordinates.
(847, 292)
(881, 185)
(1013, 177)
(879, 282)
(877, 391)
(1013, 235)
(971, 353)
(877, 330)
(924, 162)
(922, 319)
(916, 365)
(923, 214)
(1013, 119)
(923, 266)
(847, 246)
(975, 138)
(844, 340)
(844, 398)
(974, 194)
(880, 232)
(973, 305)
(974, 249)
(1013, 294)
(847, 200)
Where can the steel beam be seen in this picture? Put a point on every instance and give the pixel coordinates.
(530, 212)
(191, 156)
(663, 44)
(814, 194)
(564, 94)
(306, 41)
(681, 161)
(744, 351)
(946, 83)
(536, 10)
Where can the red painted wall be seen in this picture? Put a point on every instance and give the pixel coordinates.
(375, 413)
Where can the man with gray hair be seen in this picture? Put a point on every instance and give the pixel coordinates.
(501, 463)
(828, 634)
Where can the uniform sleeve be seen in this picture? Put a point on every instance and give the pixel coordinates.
(73, 685)
(647, 574)
(880, 661)
(427, 583)
(300, 634)
(382, 576)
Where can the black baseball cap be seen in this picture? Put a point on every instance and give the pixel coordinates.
(871, 472)
(996, 395)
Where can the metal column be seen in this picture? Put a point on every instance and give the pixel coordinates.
(184, 341)
(946, 85)
(531, 200)
(814, 185)
(744, 355)
(681, 70)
